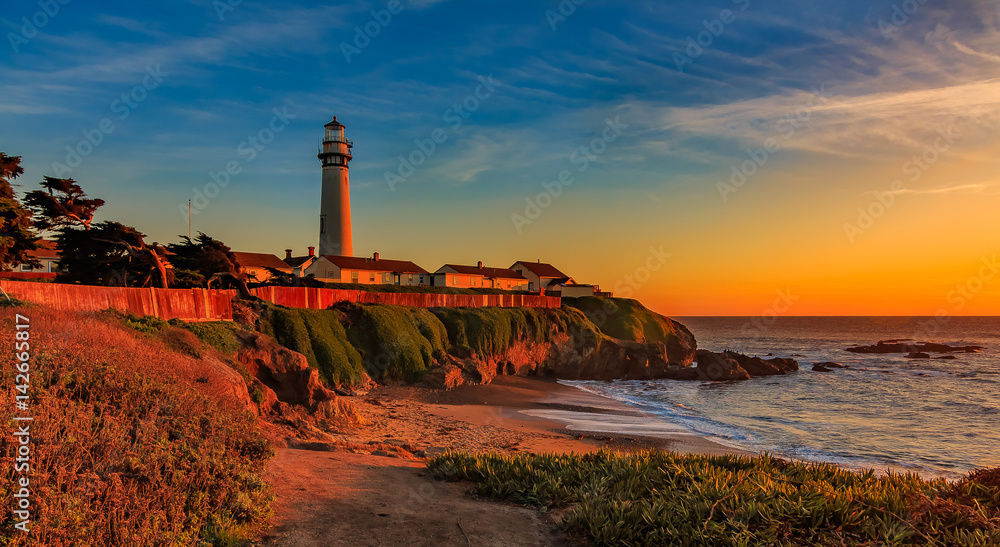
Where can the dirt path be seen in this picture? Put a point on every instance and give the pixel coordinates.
(367, 485)
(340, 498)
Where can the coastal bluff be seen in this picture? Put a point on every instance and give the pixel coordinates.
(586, 339)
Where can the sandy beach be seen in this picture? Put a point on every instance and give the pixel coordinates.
(368, 487)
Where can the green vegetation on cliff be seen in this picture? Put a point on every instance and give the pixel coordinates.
(660, 498)
(402, 343)
(320, 336)
(489, 331)
(396, 342)
(627, 319)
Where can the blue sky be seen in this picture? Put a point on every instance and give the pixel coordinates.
(867, 98)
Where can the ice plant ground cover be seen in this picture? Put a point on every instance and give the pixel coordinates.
(663, 498)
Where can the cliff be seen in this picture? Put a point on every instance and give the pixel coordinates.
(588, 338)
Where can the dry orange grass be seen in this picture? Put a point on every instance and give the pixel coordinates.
(132, 443)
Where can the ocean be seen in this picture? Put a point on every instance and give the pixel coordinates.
(939, 418)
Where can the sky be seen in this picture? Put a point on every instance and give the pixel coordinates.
(735, 157)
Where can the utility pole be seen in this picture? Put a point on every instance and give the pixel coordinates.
(189, 219)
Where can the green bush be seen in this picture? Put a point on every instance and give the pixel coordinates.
(661, 498)
(396, 342)
(320, 336)
(489, 331)
(221, 335)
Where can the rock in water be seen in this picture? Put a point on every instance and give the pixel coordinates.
(718, 367)
(897, 346)
(917, 355)
(827, 366)
(755, 366)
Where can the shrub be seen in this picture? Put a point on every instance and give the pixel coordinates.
(129, 447)
(221, 335)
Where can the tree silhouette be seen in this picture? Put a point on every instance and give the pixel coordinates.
(63, 205)
(17, 238)
(111, 253)
(106, 253)
(197, 260)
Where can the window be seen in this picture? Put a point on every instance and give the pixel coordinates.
(354, 277)
(25, 267)
(411, 279)
(454, 280)
(371, 277)
(322, 224)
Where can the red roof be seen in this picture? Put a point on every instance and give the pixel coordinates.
(372, 265)
(260, 260)
(492, 273)
(542, 269)
(47, 250)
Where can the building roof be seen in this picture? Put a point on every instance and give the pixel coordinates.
(47, 250)
(334, 123)
(297, 261)
(372, 265)
(542, 269)
(493, 273)
(260, 260)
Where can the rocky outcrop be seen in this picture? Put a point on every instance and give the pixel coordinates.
(565, 358)
(719, 367)
(282, 372)
(755, 366)
(909, 346)
(918, 355)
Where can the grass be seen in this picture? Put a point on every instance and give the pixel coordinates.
(627, 319)
(133, 444)
(221, 335)
(661, 498)
(11, 302)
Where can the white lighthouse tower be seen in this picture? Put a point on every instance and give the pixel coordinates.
(335, 204)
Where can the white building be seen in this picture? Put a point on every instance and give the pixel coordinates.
(454, 275)
(367, 271)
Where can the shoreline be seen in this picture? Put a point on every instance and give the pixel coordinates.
(369, 482)
(571, 412)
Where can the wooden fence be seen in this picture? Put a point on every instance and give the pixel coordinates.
(216, 305)
(320, 299)
(185, 304)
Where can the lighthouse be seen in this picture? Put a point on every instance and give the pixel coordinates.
(335, 204)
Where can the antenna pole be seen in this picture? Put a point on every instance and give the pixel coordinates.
(189, 219)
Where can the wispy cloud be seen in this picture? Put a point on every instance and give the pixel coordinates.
(963, 188)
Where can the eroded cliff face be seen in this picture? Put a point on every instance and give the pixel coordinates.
(568, 357)
(588, 339)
